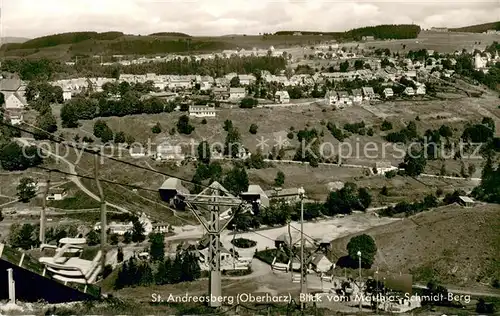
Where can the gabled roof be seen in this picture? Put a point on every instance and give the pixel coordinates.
(17, 95)
(368, 90)
(283, 94)
(174, 184)
(10, 85)
(343, 94)
(318, 258)
(237, 90)
(356, 92)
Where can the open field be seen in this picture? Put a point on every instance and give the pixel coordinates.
(410, 189)
(440, 42)
(452, 244)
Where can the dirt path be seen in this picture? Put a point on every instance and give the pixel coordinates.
(74, 178)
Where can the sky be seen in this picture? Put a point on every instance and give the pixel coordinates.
(33, 18)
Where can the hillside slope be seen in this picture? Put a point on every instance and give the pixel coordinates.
(478, 28)
(455, 245)
(68, 45)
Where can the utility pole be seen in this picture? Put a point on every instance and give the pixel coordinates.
(376, 280)
(214, 256)
(303, 288)
(43, 219)
(359, 284)
(103, 211)
(213, 197)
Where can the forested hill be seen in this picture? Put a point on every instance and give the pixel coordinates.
(64, 38)
(172, 34)
(478, 28)
(387, 31)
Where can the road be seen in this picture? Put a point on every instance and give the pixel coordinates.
(73, 178)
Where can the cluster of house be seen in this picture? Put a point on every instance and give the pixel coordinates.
(482, 61)
(121, 228)
(341, 99)
(13, 91)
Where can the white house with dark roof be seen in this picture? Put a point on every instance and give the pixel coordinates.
(202, 111)
(331, 98)
(282, 97)
(420, 89)
(321, 263)
(368, 93)
(409, 91)
(388, 93)
(357, 96)
(246, 80)
(344, 99)
(13, 96)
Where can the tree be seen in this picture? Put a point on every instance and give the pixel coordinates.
(102, 131)
(386, 125)
(156, 129)
(204, 153)
(138, 231)
(365, 198)
(445, 131)
(366, 245)
(26, 190)
(256, 160)
(253, 129)
(120, 138)
(161, 276)
(183, 125)
(235, 82)
(414, 163)
(236, 180)
(344, 66)
(45, 122)
(359, 64)
(157, 247)
(248, 103)
(232, 143)
(14, 157)
(127, 237)
(280, 179)
(93, 238)
(23, 236)
(113, 239)
(228, 124)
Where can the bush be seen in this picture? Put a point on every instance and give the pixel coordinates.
(391, 174)
(204, 121)
(253, 129)
(386, 126)
(248, 103)
(244, 243)
(156, 129)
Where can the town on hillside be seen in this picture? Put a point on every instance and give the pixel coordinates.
(299, 173)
